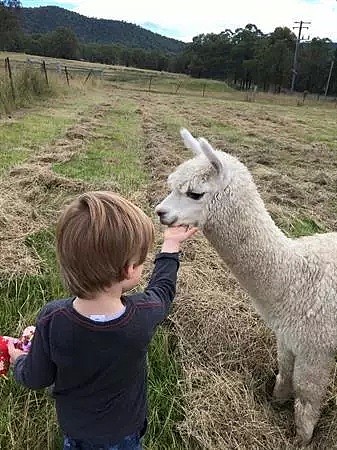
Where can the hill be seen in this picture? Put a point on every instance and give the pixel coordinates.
(46, 19)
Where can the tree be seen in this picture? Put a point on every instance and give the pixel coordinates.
(314, 65)
(10, 29)
(244, 65)
(248, 56)
(63, 43)
(277, 57)
(209, 55)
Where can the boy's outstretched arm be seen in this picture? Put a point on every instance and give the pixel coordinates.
(162, 285)
(34, 370)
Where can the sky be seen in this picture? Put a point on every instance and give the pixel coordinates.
(184, 19)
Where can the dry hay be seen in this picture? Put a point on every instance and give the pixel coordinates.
(29, 201)
(229, 363)
(228, 355)
(223, 413)
(299, 176)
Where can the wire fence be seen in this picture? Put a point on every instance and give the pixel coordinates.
(119, 76)
(151, 81)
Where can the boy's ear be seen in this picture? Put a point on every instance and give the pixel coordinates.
(128, 271)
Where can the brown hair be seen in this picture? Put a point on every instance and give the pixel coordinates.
(97, 236)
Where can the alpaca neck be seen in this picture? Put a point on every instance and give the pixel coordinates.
(250, 243)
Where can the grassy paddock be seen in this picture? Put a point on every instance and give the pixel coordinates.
(215, 389)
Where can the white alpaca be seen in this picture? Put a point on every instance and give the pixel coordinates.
(292, 282)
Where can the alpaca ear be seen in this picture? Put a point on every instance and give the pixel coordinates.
(211, 155)
(190, 142)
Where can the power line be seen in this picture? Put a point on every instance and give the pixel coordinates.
(302, 26)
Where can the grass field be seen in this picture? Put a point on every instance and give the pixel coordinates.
(212, 364)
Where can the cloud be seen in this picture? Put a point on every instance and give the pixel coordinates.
(169, 32)
(62, 3)
(184, 19)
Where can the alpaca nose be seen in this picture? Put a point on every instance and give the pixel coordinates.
(160, 213)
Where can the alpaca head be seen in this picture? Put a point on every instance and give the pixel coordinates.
(199, 183)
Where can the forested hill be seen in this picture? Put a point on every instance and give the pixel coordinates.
(47, 19)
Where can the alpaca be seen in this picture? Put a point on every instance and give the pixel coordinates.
(292, 282)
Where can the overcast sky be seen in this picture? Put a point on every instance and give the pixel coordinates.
(183, 19)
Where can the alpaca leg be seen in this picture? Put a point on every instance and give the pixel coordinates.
(284, 380)
(311, 377)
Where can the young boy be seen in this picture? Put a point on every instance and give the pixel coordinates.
(93, 345)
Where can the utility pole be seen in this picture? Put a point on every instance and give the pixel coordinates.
(302, 26)
(329, 78)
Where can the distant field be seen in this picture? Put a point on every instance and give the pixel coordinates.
(119, 77)
(124, 77)
(212, 364)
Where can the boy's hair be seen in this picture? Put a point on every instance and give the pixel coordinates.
(97, 236)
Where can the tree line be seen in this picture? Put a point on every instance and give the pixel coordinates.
(244, 58)
(248, 57)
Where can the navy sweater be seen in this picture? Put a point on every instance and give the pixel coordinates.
(99, 368)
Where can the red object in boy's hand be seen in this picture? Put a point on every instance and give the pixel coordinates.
(24, 344)
(4, 356)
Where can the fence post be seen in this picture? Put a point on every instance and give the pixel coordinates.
(178, 86)
(150, 82)
(10, 77)
(45, 72)
(67, 75)
(88, 76)
(203, 90)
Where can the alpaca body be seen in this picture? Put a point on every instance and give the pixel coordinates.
(292, 282)
(298, 282)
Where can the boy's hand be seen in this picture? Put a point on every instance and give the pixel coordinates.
(173, 237)
(14, 353)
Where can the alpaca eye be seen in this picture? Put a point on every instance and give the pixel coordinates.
(194, 195)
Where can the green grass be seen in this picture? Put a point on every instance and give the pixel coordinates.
(305, 227)
(302, 227)
(165, 395)
(325, 135)
(113, 156)
(19, 138)
(27, 419)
